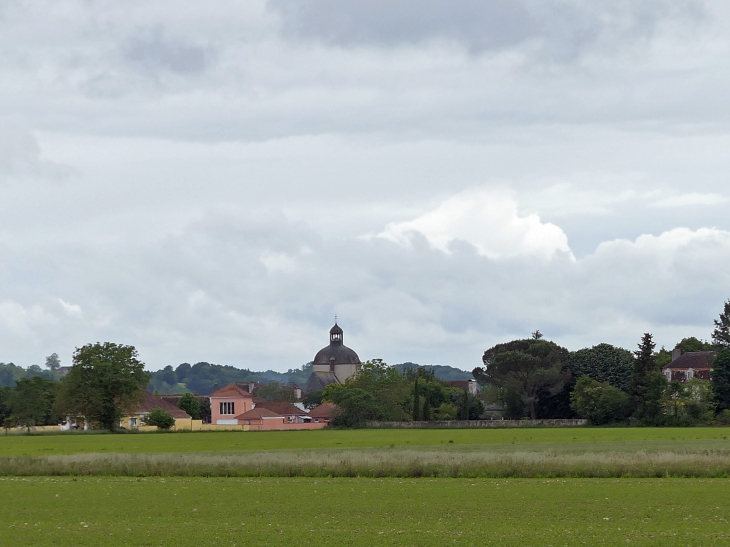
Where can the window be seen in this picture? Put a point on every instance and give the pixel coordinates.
(133, 422)
(690, 373)
(226, 408)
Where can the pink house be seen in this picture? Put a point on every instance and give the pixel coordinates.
(261, 419)
(229, 402)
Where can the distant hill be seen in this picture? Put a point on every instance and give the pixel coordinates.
(442, 372)
(202, 377)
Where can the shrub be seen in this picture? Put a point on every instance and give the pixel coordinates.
(160, 418)
(599, 403)
(446, 411)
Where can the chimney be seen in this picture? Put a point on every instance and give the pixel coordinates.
(251, 387)
(676, 352)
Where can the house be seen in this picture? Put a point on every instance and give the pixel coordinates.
(333, 364)
(692, 364)
(134, 418)
(323, 413)
(469, 385)
(292, 413)
(261, 419)
(229, 402)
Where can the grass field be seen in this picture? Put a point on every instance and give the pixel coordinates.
(425, 512)
(540, 439)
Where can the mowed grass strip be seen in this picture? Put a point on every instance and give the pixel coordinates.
(363, 512)
(138, 443)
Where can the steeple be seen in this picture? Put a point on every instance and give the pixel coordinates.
(336, 335)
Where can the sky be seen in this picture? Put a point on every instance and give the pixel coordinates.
(215, 181)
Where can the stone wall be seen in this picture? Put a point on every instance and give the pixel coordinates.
(465, 424)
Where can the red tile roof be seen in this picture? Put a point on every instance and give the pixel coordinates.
(258, 414)
(283, 409)
(152, 401)
(325, 410)
(231, 390)
(693, 359)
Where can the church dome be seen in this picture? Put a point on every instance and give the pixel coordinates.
(336, 352)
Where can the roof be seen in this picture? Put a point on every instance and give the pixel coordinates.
(231, 390)
(693, 359)
(152, 401)
(461, 384)
(341, 354)
(317, 381)
(282, 408)
(258, 414)
(325, 410)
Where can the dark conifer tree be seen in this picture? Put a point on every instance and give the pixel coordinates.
(416, 399)
(648, 383)
(721, 334)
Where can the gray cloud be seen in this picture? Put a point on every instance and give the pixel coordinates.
(563, 28)
(152, 50)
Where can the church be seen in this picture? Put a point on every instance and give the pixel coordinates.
(333, 364)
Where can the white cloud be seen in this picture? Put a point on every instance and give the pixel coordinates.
(486, 219)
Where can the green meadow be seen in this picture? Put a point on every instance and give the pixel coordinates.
(363, 512)
(504, 439)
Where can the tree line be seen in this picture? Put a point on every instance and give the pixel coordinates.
(537, 378)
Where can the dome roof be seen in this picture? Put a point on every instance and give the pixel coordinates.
(341, 354)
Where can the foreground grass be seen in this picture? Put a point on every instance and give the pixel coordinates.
(141, 443)
(363, 512)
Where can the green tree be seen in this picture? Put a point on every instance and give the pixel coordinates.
(720, 376)
(599, 403)
(389, 387)
(603, 363)
(190, 404)
(526, 367)
(313, 399)
(688, 404)
(694, 344)
(31, 402)
(648, 383)
(105, 379)
(53, 363)
(355, 406)
(446, 411)
(161, 418)
(276, 392)
(721, 334)
(416, 400)
(5, 410)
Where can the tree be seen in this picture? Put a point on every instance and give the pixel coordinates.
(603, 363)
(526, 368)
(105, 379)
(721, 334)
(688, 404)
(313, 399)
(161, 418)
(5, 410)
(190, 404)
(355, 406)
(276, 392)
(31, 402)
(416, 400)
(648, 383)
(53, 363)
(693, 344)
(720, 376)
(599, 403)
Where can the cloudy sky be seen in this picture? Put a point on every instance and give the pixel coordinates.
(216, 180)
